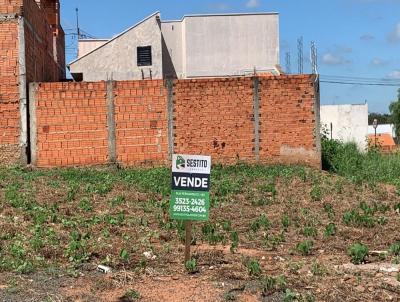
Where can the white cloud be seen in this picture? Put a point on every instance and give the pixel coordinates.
(337, 55)
(367, 37)
(334, 59)
(395, 74)
(253, 3)
(394, 36)
(220, 6)
(378, 62)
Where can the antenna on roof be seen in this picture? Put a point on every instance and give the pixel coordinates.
(314, 58)
(288, 64)
(78, 31)
(300, 55)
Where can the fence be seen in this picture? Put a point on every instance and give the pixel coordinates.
(268, 119)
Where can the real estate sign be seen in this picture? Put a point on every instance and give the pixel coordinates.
(190, 198)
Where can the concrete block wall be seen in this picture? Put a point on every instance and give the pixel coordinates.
(251, 119)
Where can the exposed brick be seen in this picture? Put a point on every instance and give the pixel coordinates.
(211, 117)
(40, 65)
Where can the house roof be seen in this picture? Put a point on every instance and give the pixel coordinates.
(222, 15)
(384, 139)
(158, 14)
(117, 36)
(383, 128)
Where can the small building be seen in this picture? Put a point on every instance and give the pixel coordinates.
(347, 123)
(384, 141)
(382, 129)
(196, 46)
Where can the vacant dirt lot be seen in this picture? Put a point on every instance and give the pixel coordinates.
(275, 234)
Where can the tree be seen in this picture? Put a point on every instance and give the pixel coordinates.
(383, 118)
(395, 111)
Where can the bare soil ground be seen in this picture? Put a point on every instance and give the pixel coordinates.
(294, 227)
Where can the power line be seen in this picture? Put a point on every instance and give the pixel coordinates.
(351, 80)
(359, 78)
(363, 84)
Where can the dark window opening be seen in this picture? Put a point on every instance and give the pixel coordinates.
(144, 56)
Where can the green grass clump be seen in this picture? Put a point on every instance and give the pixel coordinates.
(191, 266)
(310, 231)
(330, 230)
(131, 295)
(285, 220)
(305, 247)
(261, 222)
(270, 285)
(235, 242)
(318, 269)
(370, 167)
(253, 267)
(213, 234)
(358, 252)
(354, 218)
(316, 193)
(395, 248)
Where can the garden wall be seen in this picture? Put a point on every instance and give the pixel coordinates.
(271, 119)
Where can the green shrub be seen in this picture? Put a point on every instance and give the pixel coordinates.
(269, 285)
(395, 248)
(305, 247)
(318, 269)
(370, 167)
(191, 266)
(131, 295)
(235, 242)
(253, 267)
(353, 217)
(285, 222)
(330, 151)
(260, 222)
(358, 253)
(212, 233)
(310, 231)
(316, 193)
(330, 230)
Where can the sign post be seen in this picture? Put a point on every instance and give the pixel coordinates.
(190, 197)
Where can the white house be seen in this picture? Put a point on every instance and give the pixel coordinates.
(347, 123)
(196, 46)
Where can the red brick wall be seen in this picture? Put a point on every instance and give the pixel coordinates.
(71, 124)
(40, 66)
(40, 48)
(287, 115)
(10, 6)
(210, 116)
(215, 117)
(141, 121)
(9, 94)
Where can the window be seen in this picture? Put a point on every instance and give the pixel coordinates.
(144, 56)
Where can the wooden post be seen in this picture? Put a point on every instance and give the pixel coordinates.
(188, 241)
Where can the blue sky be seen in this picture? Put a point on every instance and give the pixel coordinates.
(355, 38)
